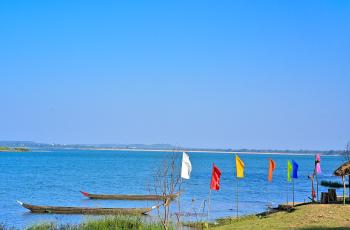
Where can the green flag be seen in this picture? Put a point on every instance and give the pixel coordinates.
(289, 171)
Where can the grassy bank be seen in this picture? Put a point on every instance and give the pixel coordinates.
(17, 149)
(107, 223)
(3, 148)
(313, 216)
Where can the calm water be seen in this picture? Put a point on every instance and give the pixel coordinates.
(55, 178)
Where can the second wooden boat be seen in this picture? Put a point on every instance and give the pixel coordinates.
(86, 210)
(128, 197)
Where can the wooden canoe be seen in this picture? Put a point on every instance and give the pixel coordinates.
(86, 210)
(128, 197)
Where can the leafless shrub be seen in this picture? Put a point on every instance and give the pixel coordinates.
(167, 181)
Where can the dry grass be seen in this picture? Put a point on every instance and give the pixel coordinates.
(313, 216)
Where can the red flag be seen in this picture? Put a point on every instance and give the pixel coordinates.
(272, 166)
(215, 178)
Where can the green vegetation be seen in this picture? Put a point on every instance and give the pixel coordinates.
(17, 149)
(31, 144)
(312, 216)
(3, 148)
(21, 149)
(332, 184)
(107, 223)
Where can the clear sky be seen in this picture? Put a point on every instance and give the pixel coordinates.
(228, 74)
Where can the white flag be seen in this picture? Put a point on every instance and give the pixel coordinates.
(186, 167)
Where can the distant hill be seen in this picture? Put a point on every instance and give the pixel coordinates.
(30, 144)
(35, 145)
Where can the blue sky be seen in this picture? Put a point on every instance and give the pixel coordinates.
(228, 74)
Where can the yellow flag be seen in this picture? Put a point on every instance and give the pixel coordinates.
(239, 167)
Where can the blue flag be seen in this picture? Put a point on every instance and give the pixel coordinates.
(295, 169)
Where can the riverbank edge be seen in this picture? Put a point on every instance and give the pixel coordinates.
(15, 150)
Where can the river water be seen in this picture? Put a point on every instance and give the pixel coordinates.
(56, 177)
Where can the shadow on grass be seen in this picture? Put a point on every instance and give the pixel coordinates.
(321, 228)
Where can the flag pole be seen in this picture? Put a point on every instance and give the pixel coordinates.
(293, 192)
(209, 203)
(287, 192)
(316, 187)
(239, 174)
(315, 174)
(269, 205)
(237, 197)
(287, 184)
(344, 188)
(267, 193)
(179, 198)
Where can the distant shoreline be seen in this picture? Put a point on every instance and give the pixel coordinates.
(205, 151)
(34, 146)
(171, 150)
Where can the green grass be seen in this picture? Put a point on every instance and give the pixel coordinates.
(107, 223)
(312, 216)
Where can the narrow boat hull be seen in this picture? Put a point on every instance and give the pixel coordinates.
(86, 210)
(128, 197)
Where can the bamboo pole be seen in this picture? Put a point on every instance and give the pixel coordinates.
(315, 172)
(287, 192)
(268, 198)
(209, 203)
(293, 192)
(344, 188)
(237, 198)
(287, 186)
(179, 199)
(317, 187)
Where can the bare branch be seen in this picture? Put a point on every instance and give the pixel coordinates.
(167, 182)
(347, 152)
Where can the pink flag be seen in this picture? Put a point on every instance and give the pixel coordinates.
(318, 163)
